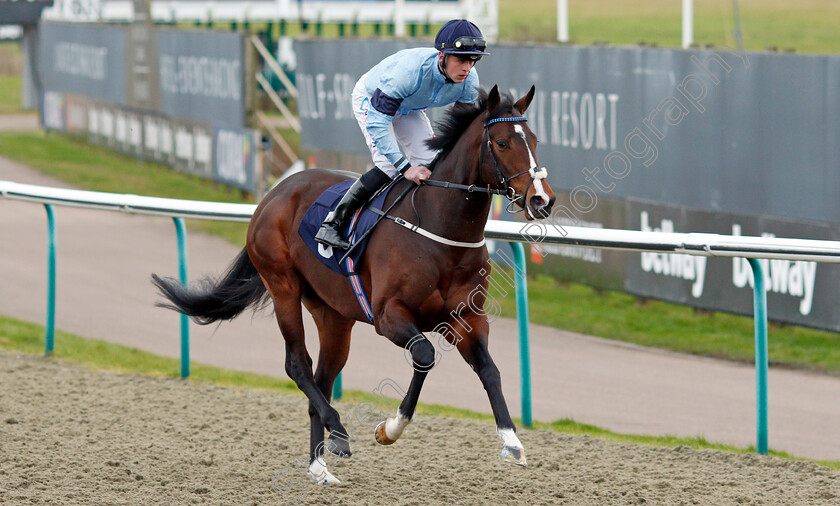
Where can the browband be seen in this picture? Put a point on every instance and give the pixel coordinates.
(497, 120)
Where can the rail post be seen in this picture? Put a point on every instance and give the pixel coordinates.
(180, 229)
(49, 337)
(761, 359)
(337, 392)
(522, 318)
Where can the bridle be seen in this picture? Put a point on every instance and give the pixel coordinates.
(502, 186)
(536, 172)
(506, 190)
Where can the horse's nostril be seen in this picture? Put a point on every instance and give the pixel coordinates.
(538, 202)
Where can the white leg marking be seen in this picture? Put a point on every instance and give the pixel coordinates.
(508, 437)
(394, 426)
(318, 473)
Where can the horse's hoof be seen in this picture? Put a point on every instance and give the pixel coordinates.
(325, 478)
(514, 456)
(381, 437)
(318, 474)
(339, 447)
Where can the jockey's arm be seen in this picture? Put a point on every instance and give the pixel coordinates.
(384, 104)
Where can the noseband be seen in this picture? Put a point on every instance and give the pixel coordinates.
(503, 186)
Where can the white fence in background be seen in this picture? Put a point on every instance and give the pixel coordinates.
(708, 245)
(484, 13)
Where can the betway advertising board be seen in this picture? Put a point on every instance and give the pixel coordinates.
(805, 293)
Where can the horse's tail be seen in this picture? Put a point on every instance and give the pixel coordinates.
(213, 300)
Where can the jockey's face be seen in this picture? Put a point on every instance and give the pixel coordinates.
(456, 68)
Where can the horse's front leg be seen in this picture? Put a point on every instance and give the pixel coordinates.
(397, 324)
(471, 334)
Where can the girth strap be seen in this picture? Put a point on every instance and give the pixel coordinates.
(427, 234)
(435, 237)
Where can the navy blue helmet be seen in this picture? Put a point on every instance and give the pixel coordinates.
(461, 38)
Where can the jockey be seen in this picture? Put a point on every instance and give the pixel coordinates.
(389, 103)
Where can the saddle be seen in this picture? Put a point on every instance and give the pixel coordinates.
(365, 218)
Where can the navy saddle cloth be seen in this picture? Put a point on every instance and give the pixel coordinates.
(361, 222)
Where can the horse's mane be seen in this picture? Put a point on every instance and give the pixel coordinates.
(459, 117)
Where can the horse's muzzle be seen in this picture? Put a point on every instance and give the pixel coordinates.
(540, 208)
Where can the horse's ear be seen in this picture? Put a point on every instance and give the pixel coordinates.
(493, 99)
(523, 103)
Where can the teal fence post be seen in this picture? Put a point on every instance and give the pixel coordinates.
(760, 310)
(182, 274)
(522, 318)
(337, 387)
(49, 338)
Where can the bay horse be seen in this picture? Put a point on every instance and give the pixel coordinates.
(415, 283)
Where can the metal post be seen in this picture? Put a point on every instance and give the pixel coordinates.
(563, 20)
(337, 387)
(182, 274)
(687, 23)
(398, 26)
(760, 309)
(49, 338)
(269, 38)
(31, 83)
(522, 318)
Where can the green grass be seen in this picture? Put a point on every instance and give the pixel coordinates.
(25, 337)
(28, 338)
(622, 317)
(98, 169)
(807, 26)
(11, 101)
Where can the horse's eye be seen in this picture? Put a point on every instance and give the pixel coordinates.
(502, 143)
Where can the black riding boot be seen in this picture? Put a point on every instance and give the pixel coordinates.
(358, 194)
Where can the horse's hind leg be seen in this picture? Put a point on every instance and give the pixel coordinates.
(286, 292)
(334, 337)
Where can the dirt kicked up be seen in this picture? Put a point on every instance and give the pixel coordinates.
(69, 435)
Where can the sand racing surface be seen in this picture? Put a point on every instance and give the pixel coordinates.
(72, 435)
